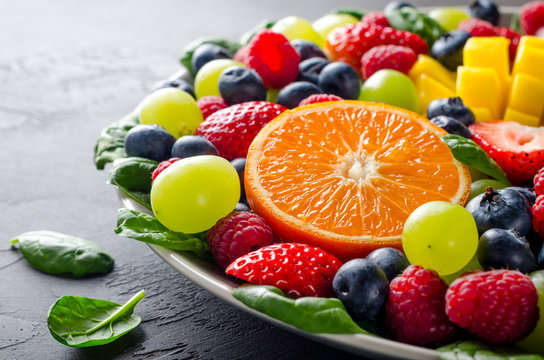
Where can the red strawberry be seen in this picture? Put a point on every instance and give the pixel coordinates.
(297, 269)
(531, 17)
(514, 38)
(162, 166)
(232, 129)
(210, 104)
(376, 18)
(317, 98)
(241, 54)
(395, 57)
(518, 149)
(477, 27)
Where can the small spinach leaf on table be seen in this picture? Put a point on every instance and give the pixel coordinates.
(111, 142)
(132, 176)
(187, 54)
(409, 19)
(477, 350)
(81, 322)
(56, 253)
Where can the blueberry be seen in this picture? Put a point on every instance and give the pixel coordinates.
(340, 79)
(149, 141)
(452, 107)
(193, 145)
(504, 209)
(240, 165)
(242, 207)
(291, 95)
(505, 249)
(362, 287)
(395, 5)
(175, 83)
(206, 53)
(307, 49)
(309, 70)
(529, 194)
(448, 48)
(452, 126)
(540, 260)
(391, 261)
(485, 10)
(238, 84)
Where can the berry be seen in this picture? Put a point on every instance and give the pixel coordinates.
(162, 166)
(274, 59)
(452, 107)
(231, 130)
(448, 48)
(238, 234)
(538, 180)
(451, 125)
(414, 313)
(518, 149)
(238, 84)
(531, 17)
(505, 249)
(210, 104)
(479, 186)
(375, 18)
(391, 261)
(340, 79)
(242, 207)
(297, 269)
(175, 83)
(394, 5)
(193, 145)
(307, 49)
(362, 287)
(514, 38)
(317, 98)
(486, 10)
(394, 57)
(240, 166)
(498, 306)
(477, 27)
(149, 141)
(529, 194)
(206, 53)
(538, 217)
(241, 54)
(291, 95)
(310, 69)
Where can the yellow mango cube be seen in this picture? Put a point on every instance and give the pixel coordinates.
(480, 88)
(520, 117)
(527, 95)
(430, 89)
(530, 61)
(426, 65)
(489, 52)
(531, 41)
(482, 114)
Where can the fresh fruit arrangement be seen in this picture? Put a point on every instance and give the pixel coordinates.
(357, 171)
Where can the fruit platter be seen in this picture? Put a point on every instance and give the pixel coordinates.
(372, 180)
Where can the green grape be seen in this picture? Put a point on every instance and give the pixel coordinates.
(478, 187)
(207, 78)
(192, 194)
(173, 109)
(391, 87)
(440, 236)
(294, 27)
(326, 23)
(448, 17)
(272, 95)
(534, 342)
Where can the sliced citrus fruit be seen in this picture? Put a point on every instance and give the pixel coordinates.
(344, 176)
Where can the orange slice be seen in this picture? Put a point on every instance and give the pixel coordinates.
(344, 176)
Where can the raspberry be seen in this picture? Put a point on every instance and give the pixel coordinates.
(317, 98)
(498, 306)
(210, 104)
(395, 57)
(415, 312)
(237, 234)
(232, 129)
(531, 17)
(477, 27)
(241, 54)
(162, 165)
(539, 182)
(376, 18)
(274, 59)
(514, 38)
(297, 269)
(538, 216)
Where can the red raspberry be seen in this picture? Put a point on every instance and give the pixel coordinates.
(163, 165)
(376, 18)
(210, 104)
(232, 129)
(539, 182)
(317, 98)
(415, 312)
(538, 216)
(395, 57)
(241, 54)
(531, 17)
(237, 234)
(477, 27)
(297, 269)
(498, 306)
(274, 59)
(514, 38)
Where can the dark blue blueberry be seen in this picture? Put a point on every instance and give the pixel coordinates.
(395, 5)
(175, 83)
(309, 70)
(291, 95)
(503, 209)
(485, 10)
(307, 49)
(193, 145)
(505, 249)
(362, 287)
(340, 79)
(448, 48)
(529, 194)
(149, 141)
(238, 84)
(240, 165)
(452, 107)
(206, 53)
(540, 260)
(242, 207)
(452, 126)
(391, 261)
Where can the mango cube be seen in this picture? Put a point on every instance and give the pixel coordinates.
(520, 117)
(426, 65)
(531, 41)
(530, 61)
(527, 95)
(480, 88)
(430, 89)
(482, 114)
(489, 52)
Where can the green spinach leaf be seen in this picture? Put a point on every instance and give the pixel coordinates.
(111, 142)
(146, 228)
(469, 153)
(476, 350)
(311, 314)
(515, 24)
(353, 12)
(132, 176)
(81, 322)
(409, 19)
(187, 54)
(56, 253)
(247, 36)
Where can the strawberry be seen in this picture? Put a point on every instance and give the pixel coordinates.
(297, 269)
(376, 18)
(317, 98)
(514, 38)
(531, 17)
(518, 149)
(477, 27)
(395, 57)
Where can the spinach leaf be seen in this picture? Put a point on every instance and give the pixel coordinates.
(353, 12)
(515, 24)
(476, 350)
(311, 314)
(81, 322)
(56, 253)
(132, 176)
(146, 228)
(469, 153)
(409, 19)
(111, 142)
(247, 36)
(189, 50)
